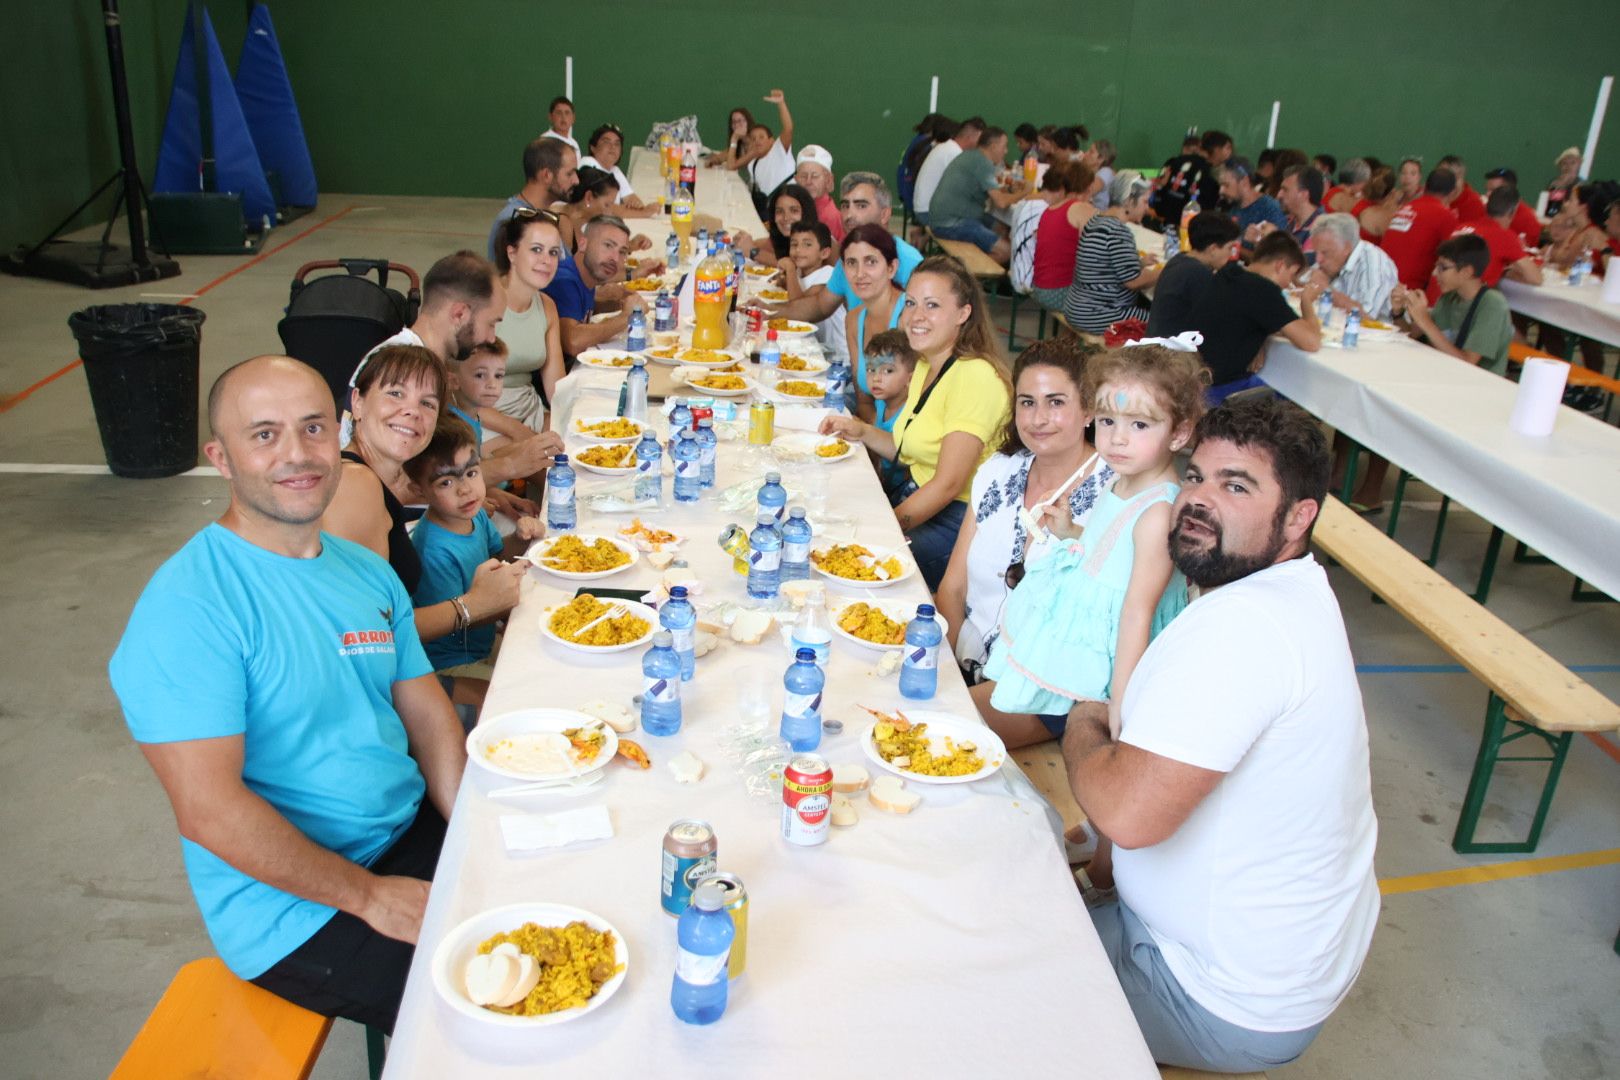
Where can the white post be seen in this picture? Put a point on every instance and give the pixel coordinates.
(1271, 137)
(568, 77)
(933, 94)
(1598, 111)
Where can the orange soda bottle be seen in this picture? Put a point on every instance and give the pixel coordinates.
(709, 302)
(680, 219)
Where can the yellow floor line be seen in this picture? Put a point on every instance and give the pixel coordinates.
(1473, 875)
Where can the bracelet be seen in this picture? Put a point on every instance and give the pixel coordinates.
(463, 616)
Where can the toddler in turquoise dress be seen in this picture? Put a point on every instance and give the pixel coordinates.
(1091, 600)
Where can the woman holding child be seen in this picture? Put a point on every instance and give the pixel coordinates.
(954, 413)
(528, 255)
(871, 262)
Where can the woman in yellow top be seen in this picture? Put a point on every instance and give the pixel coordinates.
(955, 410)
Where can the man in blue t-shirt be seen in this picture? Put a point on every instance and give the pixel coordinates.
(272, 675)
(1248, 205)
(863, 199)
(550, 170)
(593, 279)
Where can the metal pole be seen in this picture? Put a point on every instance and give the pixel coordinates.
(126, 133)
(205, 105)
(1592, 132)
(933, 94)
(1271, 138)
(568, 77)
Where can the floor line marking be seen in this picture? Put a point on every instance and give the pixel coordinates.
(11, 402)
(1502, 871)
(390, 229)
(1456, 669)
(1604, 744)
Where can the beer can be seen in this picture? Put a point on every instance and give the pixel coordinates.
(761, 423)
(689, 858)
(756, 319)
(734, 542)
(806, 800)
(737, 904)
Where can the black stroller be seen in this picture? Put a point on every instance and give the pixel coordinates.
(334, 320)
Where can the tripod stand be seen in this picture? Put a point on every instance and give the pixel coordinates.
(102, 265)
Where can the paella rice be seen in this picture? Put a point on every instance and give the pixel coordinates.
(615, 360)
(795, 362)
(799, 388)
(705, 356)
(855, 562)
(869, 623)
(618, 428)
(644, 284)
(575, 960)
(906, 745)
(572, 555)
(721, 382)
(609, 457)
(835, 448)
(775, 296)
(620, 630)
(789, 326)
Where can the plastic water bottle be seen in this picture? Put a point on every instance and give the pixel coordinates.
(770, 355)
(635, 339)
(1324, 308)
(703, 240)
(1172, 244)
(1352, 329)
(801, 705)
(649, 469)
(661, 687)
(708, 450)
(795, 546)
(773, 497)
(680, 416)
(1581, 268)
(635, 391)
(919, 670)
(765, 558)
(679, 617)
(813, 628)
(703, 938)
(561, 514)
(664, 310)
(688, 469)
(672, 246)
(837, 385)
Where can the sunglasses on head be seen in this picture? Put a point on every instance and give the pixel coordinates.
(529, 213)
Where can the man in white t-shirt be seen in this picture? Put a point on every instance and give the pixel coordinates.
(773, 163)
(1238, 795)
(561, 115)
(933, 166)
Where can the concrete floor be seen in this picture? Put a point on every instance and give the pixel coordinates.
(1511, 978)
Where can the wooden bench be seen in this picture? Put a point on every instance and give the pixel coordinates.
(1176, 1072)
(1043, 764)
(210, 1024)
(991, 274)
(1531, 695)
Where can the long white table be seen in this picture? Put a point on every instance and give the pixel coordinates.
(1579, 309)
(950, 942)
(1446, 422)
(720, 194)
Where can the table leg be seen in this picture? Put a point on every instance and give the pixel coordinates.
(1493, 548)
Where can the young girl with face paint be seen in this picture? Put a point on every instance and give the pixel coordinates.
(1091, 600)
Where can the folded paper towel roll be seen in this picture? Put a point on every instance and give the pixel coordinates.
(1541, 391)
(1611, 285)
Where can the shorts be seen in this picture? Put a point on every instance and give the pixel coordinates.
(977, 233)
(1056, 723)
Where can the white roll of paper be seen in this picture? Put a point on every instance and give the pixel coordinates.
(1541, 391)
(1611, 283)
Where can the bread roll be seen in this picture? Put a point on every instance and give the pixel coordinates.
(848, 779)
(889, 793)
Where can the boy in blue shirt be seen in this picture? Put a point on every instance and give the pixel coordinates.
(454, 538)
(272, 676)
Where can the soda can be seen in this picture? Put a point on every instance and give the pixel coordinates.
(756, 319)
(806, 800)
(689, 858)
(761, 423)
(734, 542)
(700, 412)
(737, 904)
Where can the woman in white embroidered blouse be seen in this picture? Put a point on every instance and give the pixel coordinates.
(1042, 458)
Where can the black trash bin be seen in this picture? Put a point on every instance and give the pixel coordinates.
(142, 364)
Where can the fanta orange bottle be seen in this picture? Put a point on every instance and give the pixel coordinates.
(680, 218)
(709, 303)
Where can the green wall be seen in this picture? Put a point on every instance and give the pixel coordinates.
(427, 97)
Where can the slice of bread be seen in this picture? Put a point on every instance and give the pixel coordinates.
(848, 779)
(889, 793)
(843, 812)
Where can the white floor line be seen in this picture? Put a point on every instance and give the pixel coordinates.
(86, 470)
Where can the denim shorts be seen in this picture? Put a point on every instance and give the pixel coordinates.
(933, 540)
(976, 233)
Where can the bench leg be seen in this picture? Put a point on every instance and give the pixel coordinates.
(1012, 320)
(1040, 326)
(1496, 736)
(1395, 504)
(1522, 554)
(1493, 548)
(376, 1052)
(1580, 594)
(1352, 455)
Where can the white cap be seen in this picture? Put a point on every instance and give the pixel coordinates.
(1572, 152)
(815, 155)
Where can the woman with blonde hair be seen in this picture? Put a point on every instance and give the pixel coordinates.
(954, 414)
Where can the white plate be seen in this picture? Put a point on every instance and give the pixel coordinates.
(679, 359)
(459, 946)
(603, 470)
(906, 569)
(644, 544)
(600, 359)
(641, 611)
(749, 386)
(895, 610)
(536, 554)
(601, 440)
(940, 725)
(817, 370)
(796, 399)
(802, 445)
(530, 722)
(794, 335)
(760, 272)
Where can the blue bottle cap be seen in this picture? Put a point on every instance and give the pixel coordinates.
(805, 656)
(677, 592)
(925, 611)
(561, 459)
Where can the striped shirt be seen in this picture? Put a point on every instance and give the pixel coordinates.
(1104, 261)
(1368, 277)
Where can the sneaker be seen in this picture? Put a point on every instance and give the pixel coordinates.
(1586, 399)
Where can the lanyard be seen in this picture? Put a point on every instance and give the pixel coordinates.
(922, 401)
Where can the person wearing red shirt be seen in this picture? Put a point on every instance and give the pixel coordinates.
(1466, 204)
(1418, 229)
(1525, 223)
(1344, 196)
(1509, 259)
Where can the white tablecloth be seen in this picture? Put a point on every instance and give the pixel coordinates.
(1446, 422)
(720, 193)
(951, 942)
(1580, 310)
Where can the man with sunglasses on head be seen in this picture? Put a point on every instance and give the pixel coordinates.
(550, 171)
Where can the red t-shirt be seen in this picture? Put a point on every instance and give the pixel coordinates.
(1055, 243)
(1355, 212)
(1505, 251)
(1416, 230)
(1468, 206)
(1526, 225)
(827, 213)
